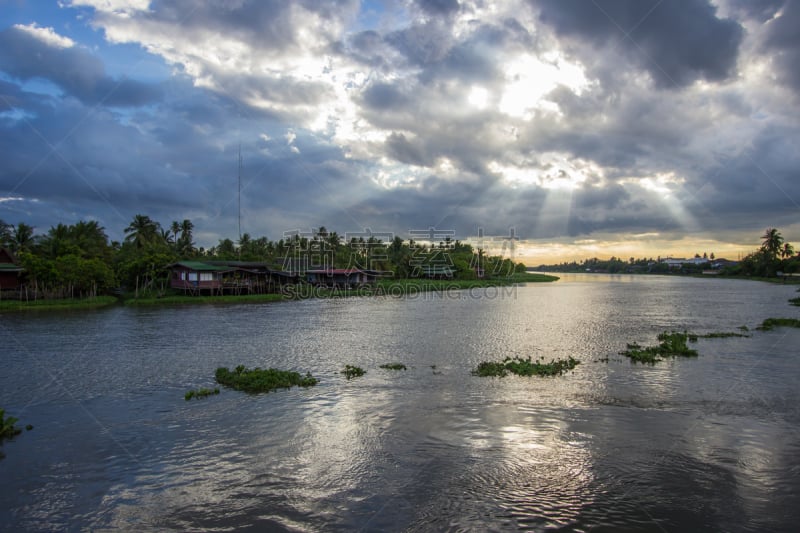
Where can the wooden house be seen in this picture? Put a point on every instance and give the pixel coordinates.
(197, 277)
(228, 277)
(10, 271)
(340, 277)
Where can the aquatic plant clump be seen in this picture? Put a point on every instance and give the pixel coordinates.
(353, 371)
(772, 323)
(720, 335)
(672, 345)
(394, 366)
(261, 380)
(7, 427)
(200, 393)
(524, 367)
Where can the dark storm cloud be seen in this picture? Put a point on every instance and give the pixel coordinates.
(264, 24)
(383, 95)
(76, 71)
(438, 7)
(783, 43)
(405, 151)
(422, 44)
(675, 42)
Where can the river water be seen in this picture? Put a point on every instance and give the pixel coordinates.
(706, 443)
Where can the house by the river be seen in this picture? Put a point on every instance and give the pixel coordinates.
(10, 271)
(228, 277)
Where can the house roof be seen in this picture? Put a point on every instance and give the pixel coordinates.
(8, 262)
(332, 271)
(200, 266)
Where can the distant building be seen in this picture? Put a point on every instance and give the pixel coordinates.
(679, 262)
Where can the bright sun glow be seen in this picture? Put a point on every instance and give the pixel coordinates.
(530, 79)
(478, 97)
(554, 170)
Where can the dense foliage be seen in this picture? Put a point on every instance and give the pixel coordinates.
(75, 261)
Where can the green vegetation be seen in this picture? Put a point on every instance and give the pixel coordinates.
(353, 371)
(78, 261)
(795, 301)
(770, 262)
(7, 426)
(200, 393)
(524, 367)
(394, 366)
(181, 299)
(672, 345)
(717, 335)
(259, 380)
(772, 323)
(775, 256)
(47, 305)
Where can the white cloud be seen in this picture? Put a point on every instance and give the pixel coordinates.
(46, 35)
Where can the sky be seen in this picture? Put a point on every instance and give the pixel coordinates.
(580, 128)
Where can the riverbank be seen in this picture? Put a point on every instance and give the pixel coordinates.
(54, 305)
(387, 287)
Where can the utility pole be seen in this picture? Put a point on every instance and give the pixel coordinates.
(240, 192)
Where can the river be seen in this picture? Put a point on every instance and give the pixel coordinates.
(705, 443)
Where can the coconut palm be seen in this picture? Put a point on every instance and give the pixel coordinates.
(185, 243)
(175, 228)
(772, 243)
(142, 231)
(21, 237)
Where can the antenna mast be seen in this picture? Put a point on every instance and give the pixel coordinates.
(240, 192)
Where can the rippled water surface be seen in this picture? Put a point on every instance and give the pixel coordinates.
(707, 443)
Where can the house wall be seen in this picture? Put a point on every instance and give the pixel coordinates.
(184, 278)
(9, 280)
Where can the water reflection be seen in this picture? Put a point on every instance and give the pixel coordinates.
(707, 442)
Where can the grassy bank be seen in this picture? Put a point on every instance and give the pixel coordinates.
(386, 287)
(50, 305)
(182, 299)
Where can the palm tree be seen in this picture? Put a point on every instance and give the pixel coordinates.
(142, 231)
(5, 233)
(21, 237)
(175, 228)
(244, 244)
(787, 251)
(90, 238)
(772, 243)
(185, 243)
(166, 236)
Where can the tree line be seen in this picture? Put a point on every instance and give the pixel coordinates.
(79, 260)
(774, 257)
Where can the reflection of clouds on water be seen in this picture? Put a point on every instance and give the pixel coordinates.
(505, 466)
(708, 440)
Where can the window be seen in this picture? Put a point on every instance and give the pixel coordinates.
(206, 276)
(192, 276)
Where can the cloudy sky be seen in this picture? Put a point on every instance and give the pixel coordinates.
(586, 127)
